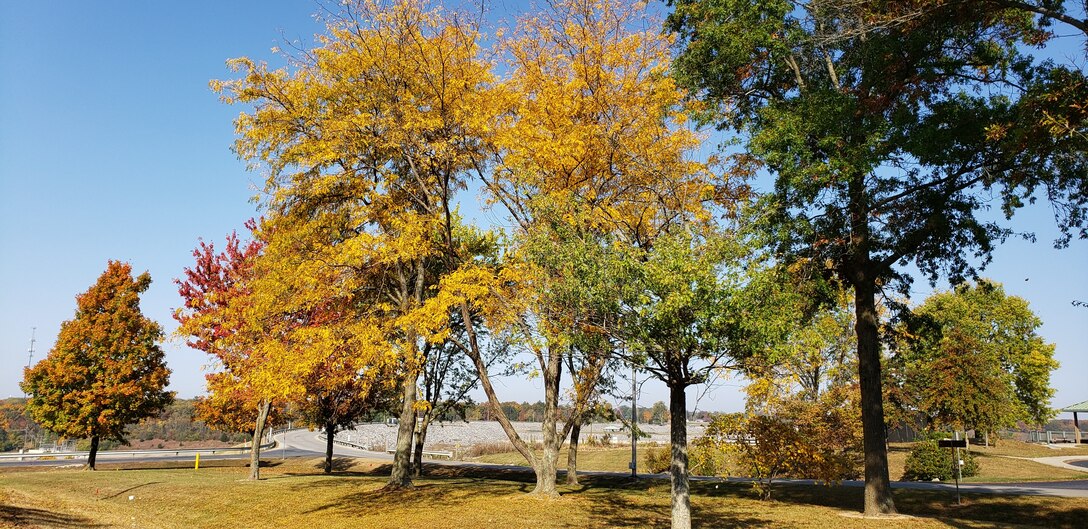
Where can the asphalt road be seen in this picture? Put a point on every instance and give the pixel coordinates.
(305, 443)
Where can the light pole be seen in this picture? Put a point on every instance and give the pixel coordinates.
(26, 398)
(634, 423)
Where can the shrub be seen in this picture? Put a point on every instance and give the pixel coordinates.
(927, 462)
(485, 449)
(703, 459)
(707, 459)
(657, 458)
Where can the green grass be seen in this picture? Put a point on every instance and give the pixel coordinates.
(295, 494)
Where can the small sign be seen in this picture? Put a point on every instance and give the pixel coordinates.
(952, 443)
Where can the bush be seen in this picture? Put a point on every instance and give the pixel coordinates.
(703, 459)
(927, 462)
(706, 459)
(657, 459)
(486, 449)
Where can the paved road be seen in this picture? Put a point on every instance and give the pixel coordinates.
(306, 440)
(107, 457)
(305, 443)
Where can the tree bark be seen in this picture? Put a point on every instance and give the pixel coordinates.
(472, 349)
(420, 439)
(572, 452)
(878, 492)
(255, 451)
(678, 470)
(330, 433)
(93, 453)
(400, 477)
(860, 272)
(546, 473)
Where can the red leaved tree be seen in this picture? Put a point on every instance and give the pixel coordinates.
(214, 290)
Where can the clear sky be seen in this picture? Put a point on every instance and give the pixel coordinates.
(113, 147)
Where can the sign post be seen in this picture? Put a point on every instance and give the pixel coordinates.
(955, 445)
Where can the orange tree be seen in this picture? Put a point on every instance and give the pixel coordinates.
(106, 370)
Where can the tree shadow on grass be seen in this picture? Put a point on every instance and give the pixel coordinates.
(1021, 510)
(14, 516)
(376, 500)
(446, 486)
(655, 510)
(986, 508)
(134, 487)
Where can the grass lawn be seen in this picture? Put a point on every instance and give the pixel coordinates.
(994, 467)
(996, 464)
(589, 458)
(295, 494)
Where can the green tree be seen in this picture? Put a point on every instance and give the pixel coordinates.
(690, 311)
(106, 370)
(971, 358)
(887, 127)
(659, 413)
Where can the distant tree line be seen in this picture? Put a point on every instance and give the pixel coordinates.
(176, 423)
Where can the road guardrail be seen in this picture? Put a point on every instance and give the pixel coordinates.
(47, 456)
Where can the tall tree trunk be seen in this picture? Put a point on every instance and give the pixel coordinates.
(400, 476)
(572, 452)
(93, 453)
(859, 269)
(472, 349)
(878, 491)
(546, 473)
(678, 470)
(330, 433)
(255, 451)
(420, 438)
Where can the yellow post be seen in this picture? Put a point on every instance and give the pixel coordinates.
(196, 466)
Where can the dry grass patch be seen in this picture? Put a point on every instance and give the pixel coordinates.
(589, 458)
(295, 494)
(998, 464)
(1008, 447)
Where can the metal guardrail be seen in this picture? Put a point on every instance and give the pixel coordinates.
(432, 453)
(1041, 436)
(47, 456)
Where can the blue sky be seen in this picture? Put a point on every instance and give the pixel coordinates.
(113, 147)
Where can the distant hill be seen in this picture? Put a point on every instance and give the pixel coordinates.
(174, 428)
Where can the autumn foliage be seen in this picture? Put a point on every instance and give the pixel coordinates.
(106, 370)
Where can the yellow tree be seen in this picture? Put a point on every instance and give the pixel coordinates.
(366, 139)
(591, 147)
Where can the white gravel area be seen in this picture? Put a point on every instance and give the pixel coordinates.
(378, 436)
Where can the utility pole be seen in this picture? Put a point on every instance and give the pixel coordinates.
(634, 423)
(959, 467)
(26, 399)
